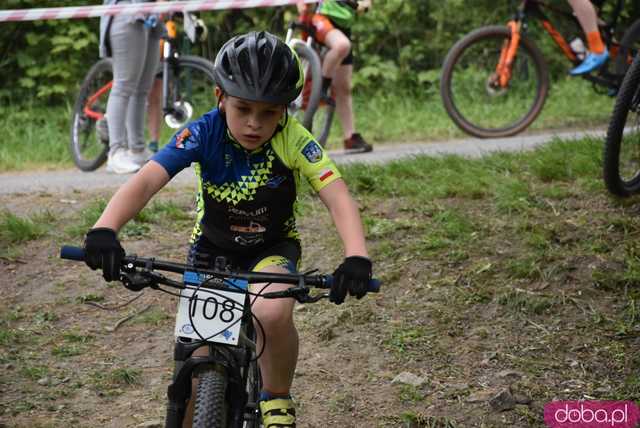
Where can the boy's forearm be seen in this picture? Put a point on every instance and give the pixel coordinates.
(346, 217)
(132, 196)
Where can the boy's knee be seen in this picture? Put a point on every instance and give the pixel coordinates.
(273, 316)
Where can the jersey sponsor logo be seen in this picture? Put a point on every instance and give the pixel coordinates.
(324, 174)
(312, 151)
(184, 134)
(275, 181)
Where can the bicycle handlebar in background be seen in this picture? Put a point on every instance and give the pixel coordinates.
(320, 281)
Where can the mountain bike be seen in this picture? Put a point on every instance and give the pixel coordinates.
(621, 160)
(187, 92)
(315, 114)
(215, 311)
(495, 80)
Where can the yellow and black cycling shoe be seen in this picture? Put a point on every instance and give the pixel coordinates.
(278, 413)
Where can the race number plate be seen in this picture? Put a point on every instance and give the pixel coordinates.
(215, 314)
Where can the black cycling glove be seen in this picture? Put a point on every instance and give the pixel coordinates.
(103, 251)
(352, 275)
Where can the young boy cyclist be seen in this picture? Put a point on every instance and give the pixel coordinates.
(249, 158)
(333, 24)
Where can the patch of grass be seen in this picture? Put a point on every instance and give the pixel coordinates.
(405, 339)
(87, 218)
(90, 297)
(523, 302)
(73, 337)
(15, 229)
(67, 350)
(124, 376)
(410, 394)
(34, 372)
(155, 316)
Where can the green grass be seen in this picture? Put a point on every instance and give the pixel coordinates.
(385, 116)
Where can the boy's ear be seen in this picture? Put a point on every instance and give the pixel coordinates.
(220, 96)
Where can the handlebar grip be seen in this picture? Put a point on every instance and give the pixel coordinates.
(70, 252)
(374, 284)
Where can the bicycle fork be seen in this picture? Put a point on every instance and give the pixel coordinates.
(508, 53)
(179, 392)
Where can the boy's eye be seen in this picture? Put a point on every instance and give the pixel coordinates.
(243, 109)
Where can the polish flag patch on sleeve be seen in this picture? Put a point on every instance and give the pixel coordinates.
(324, 174)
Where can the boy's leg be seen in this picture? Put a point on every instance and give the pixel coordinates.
(598, 54)
(280, 340)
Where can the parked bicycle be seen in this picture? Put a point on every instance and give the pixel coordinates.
(215, 311)
(187, 92)
(495, 80)
(621, 160)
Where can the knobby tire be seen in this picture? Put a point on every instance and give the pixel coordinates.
(629, 92)
(211, 408)
(448, 75)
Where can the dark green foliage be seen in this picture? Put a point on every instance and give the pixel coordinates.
(399, 45)
(44, 59)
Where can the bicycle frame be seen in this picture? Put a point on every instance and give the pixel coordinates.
(519, 24)
(234, 359)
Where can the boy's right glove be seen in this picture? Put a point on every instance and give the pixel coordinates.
(353, 275)
(103, 251)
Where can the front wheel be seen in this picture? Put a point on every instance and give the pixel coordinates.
(473, 98)
(211, 408)
(89, 143)
(621, 164)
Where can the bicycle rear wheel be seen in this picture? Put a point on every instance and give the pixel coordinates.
(89, 143)
(304, 107)
(474, 102)
(322, 120)
(211, 408)
(191, 90)
(621, 160)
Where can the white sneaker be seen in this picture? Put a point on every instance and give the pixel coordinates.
(141, 157)
(120, 162)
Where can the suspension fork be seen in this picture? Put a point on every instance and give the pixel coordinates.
(508, 54)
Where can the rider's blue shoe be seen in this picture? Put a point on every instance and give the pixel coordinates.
(590, 63)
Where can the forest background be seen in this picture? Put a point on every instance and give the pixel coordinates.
(399, 44)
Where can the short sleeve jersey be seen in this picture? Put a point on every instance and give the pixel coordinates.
(340, 13)
(247, 199)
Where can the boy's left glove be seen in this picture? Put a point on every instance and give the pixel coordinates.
(103, 251)
(353, 275)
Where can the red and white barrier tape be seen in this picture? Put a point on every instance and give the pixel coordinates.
(131, 9)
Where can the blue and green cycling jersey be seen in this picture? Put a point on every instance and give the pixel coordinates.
(247, 199)
(340, 13)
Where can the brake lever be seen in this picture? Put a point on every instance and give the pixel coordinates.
(137, 281)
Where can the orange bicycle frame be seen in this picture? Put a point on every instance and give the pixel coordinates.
(92, 99)
(508, 54)
(560, 41)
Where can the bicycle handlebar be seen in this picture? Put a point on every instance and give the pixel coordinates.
(320, 281)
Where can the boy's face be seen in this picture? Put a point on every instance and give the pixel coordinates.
(251, 123)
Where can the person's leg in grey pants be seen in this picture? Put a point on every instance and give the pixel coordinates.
(135, 52)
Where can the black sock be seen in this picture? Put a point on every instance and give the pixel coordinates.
(326, 84)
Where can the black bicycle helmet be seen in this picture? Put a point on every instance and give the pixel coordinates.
(258, 66)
